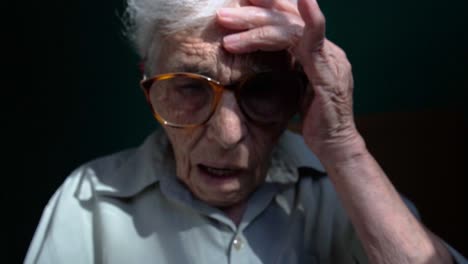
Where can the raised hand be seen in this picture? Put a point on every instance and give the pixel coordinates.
(270, 25)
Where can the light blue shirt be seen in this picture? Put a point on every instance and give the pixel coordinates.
(130, 208)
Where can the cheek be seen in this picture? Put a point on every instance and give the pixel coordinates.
(263, 141)
(183, 142)
(266, 137)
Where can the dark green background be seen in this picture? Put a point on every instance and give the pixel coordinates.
(70, 88)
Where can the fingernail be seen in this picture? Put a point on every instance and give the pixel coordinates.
(225, 12)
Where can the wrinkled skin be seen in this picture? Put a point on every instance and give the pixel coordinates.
(227, 140)
(328, 126)
(223, 50)
(385, 226)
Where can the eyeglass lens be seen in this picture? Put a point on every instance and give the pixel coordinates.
(264, 98)
(271, 97)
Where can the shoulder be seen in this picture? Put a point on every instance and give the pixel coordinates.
(125, 173)
(98, 171)
(65, 230)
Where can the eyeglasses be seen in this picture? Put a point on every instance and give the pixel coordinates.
(185, 100)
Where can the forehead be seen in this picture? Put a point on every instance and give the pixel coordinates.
(201, 51)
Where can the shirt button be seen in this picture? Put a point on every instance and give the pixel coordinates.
(237, 243)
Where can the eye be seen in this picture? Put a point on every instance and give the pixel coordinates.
(271, 97)
(190, 87)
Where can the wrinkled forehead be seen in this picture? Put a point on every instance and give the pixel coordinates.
(201, 51)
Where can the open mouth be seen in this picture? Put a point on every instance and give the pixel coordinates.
(219, 172)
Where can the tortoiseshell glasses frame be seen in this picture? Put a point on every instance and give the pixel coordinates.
(296, 78)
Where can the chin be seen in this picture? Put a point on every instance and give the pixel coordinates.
(225, 203)
(223, 198)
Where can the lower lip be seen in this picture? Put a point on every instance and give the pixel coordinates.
(218, 179)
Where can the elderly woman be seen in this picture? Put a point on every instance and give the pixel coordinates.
(223, 181)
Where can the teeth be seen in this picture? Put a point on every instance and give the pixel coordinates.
(220, 172)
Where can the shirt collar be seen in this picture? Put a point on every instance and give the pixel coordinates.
(127, 173)
(291, 153)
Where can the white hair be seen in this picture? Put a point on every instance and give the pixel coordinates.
(148, 21)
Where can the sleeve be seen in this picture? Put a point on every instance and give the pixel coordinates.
(348, 243)
(334, 238)
(64, 231)
(457, 257)
(37, 244)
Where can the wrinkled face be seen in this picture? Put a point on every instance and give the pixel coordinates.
(223, 161)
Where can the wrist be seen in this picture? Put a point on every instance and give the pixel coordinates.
(341, 152)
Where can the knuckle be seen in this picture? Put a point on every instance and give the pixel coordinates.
(319, 21)
(348, 66)
(295, 35)
(322, 20)
(260, 34)
(339, 52)
(258, 14)
(297, 30)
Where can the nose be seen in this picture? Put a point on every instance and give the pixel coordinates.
(227, 125)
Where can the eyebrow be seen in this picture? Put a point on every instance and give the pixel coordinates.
(206, 71)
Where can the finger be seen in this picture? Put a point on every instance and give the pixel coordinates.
(314, 33)
(248, 17)
(268, 38)
(280, 5)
